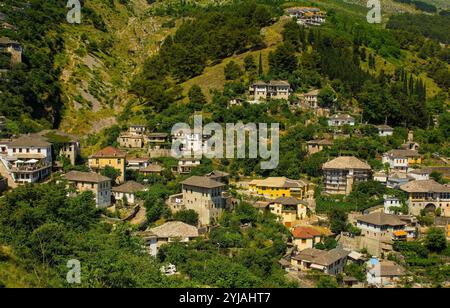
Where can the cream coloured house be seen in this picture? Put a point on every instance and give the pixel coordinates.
(127, 192)
(90, 181)
(304, 237)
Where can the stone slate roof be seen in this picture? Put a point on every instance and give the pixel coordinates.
(342, 117)
(321, 257)
(402, 153)
(174, 229)
(381, 219)
(279, 182)
(425, 186)
(152, 168)
(34, 140)
(346, 162)
(201, 181)
(129, 187)
(90, 177)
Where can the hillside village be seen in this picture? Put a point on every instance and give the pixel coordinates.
(361, 196)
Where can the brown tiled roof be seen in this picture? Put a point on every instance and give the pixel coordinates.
(425, 186)
(129, 187)
(305, 232)
(174, 229)
(322, 257)
(109, 152)
(33, 140)
(346, 162)
(90, 177)
(201, 181)
(381, 219)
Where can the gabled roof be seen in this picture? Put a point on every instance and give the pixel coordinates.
(158, 135)
(305, 232)
(385, 127)
(152, 168)
(402, 153)
(174, 229)
(90, 177)
(425, 186)
(312, 93)
(381, 219)
(129, 187)
(321, 257)
(288, 201)
(109, 152)
(346, 162)
(342, 117)
(34, 140)
(202, 181)
(387, 269)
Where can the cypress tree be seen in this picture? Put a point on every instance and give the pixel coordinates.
(260, 68)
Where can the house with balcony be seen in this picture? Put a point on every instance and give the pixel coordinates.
(99, 185)
(157, 141)
(342, 173)
(401, 160)
(307, 16)
(427, 195)
(137, 163)
(275, 89)
(186, 165)
(28, 159)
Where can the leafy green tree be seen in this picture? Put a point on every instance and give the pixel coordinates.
(111, 172)
(232, 71)
(196, 98)
(338, 221)
(435, 240)
(283, 60)
(187, 216)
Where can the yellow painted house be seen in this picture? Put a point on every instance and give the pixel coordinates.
(111, 157)
(276, 187)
